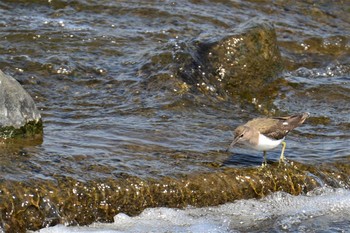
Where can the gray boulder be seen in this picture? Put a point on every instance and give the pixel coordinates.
(19, 116)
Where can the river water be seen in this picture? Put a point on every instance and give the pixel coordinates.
(100, 73)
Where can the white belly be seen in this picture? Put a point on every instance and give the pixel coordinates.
(266, 143)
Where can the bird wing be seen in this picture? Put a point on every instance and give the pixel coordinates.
(271, 127)
(277, 127)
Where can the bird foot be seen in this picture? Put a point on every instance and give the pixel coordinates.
(264, 165)
(283, 162)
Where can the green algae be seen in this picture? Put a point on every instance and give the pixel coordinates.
(31, 128)
(35, 204)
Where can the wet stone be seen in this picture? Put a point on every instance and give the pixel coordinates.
(36, 204)
(19, 116)
(241, 63)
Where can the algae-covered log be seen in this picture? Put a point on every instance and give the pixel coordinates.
(38, 203)
(19, 116)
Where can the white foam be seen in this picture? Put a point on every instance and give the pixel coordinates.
(278, 211)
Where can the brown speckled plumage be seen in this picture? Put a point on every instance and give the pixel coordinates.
(277, 127)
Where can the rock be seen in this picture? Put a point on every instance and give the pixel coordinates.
(52, 201)
(241, 63)
(19, 117)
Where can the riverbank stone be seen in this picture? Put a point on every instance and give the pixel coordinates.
(19, 116)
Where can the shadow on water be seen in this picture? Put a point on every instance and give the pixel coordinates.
(244, 160)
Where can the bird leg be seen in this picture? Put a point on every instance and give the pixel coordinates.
(284, 144)
(265, 161)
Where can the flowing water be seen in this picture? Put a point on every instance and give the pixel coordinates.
(101, 74)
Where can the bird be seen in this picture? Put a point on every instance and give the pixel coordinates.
(265, 134)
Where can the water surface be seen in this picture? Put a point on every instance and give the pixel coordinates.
(101, 72)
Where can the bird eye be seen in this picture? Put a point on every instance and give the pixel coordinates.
(241, 136)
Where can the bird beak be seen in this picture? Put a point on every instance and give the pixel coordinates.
(235, 140)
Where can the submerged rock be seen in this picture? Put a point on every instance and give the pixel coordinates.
(241, 63)
(19, 117)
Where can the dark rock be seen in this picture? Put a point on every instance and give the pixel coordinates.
(238, 64)
(19, 117)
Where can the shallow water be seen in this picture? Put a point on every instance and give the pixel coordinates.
(89, 67)
(101, 74)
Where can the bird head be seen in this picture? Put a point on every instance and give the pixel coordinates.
(242, 134)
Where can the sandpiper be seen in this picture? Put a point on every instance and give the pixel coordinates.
(265, 134)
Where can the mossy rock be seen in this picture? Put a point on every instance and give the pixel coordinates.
(36, 203)
(19, 116)
(242, 63)
(31, 128)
